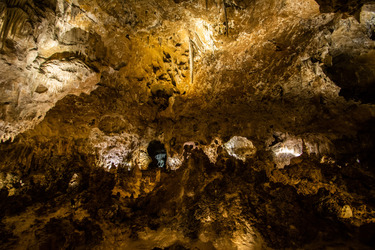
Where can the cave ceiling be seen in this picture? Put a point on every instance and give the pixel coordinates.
(187, 124)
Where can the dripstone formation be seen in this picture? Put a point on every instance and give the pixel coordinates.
(187, 124)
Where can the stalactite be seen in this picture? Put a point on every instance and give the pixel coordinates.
(14, 17)
(226, 18)
(191, 60)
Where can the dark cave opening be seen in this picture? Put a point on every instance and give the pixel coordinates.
(354, 76)
(158, 154)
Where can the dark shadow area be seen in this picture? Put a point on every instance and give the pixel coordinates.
(346, 6)
(355, 76)
(158, 154)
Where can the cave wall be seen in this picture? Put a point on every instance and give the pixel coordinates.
(265, 111)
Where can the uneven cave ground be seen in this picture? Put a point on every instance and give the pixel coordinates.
(145, 124)
(200, 198)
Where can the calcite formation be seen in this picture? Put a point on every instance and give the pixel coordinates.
(187, 124)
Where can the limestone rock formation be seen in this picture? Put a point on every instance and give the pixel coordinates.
(187, 124)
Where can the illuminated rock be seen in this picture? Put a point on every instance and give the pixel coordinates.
(346, 212)
(240, 148)
(286, 150)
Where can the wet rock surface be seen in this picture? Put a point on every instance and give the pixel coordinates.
(188, 125)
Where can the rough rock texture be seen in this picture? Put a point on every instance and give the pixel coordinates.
(188, 125)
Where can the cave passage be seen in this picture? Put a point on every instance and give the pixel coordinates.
(158, 154)
(181, 124)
